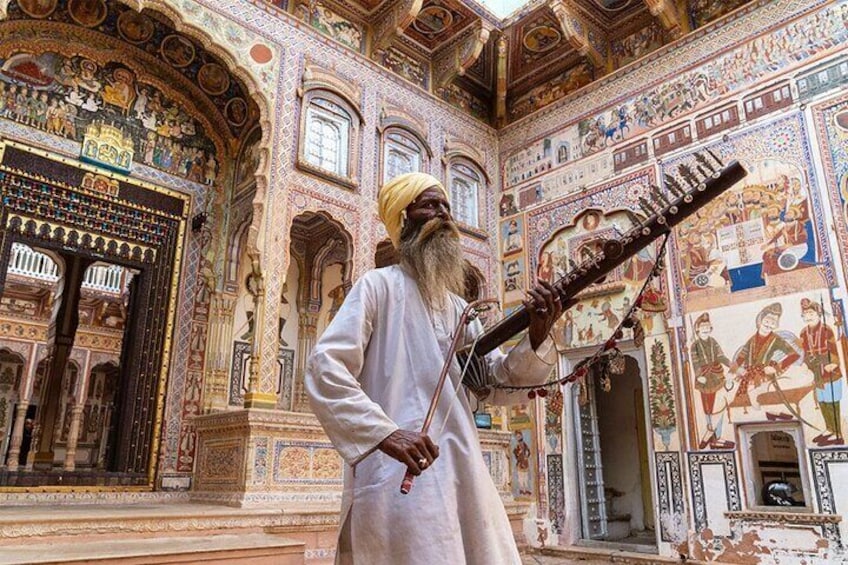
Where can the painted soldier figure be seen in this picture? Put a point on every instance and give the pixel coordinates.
(708, 362)
(822, 359)
(757, 362)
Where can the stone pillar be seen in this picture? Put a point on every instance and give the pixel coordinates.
(261, 390)
(306, 335)
(60, 341)
(73, 436)
(219, 346)
(17, 435)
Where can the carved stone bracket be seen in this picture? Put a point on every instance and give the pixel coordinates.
(393, 22)
(669, 16)
(502, 79)
(580, 32)
(456, 58)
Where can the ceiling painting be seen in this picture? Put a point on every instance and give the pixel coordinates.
(112, 27)
(438, 22)
(536, 42)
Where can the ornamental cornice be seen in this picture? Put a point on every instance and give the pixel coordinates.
(677, 56)
(797, 518)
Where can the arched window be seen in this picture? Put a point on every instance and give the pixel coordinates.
(466, 184)
(330, 124)
(327, 144)
(401, 154)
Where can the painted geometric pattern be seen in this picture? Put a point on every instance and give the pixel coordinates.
(303, 462)
(821, 460)
(727, 460)
(670, 493)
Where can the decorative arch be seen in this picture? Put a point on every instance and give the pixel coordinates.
(180, 18)
(475, 285)
(456, 150)
(329, 110)
(403, 144)
(385, 254)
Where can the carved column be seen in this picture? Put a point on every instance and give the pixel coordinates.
(218, 352)
(500, 104)
(78, 397)
(25, 394)
(306, 335)
(73, 436)
(17, 435)
(260, 391)
(60, 341)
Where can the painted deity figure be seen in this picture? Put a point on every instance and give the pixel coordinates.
(822, 359)
(513, 237)
(708, 364)
(764, 357)
(521, 451)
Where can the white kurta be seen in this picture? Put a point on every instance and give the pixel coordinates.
(373, 371)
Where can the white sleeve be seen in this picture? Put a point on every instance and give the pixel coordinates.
(522, 366)
(354, 423)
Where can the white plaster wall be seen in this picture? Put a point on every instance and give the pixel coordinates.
(716, 500)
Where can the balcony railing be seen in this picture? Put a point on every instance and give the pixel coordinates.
(25, 261)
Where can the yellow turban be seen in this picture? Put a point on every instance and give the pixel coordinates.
(399, 193)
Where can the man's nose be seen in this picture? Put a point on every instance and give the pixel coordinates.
(442, 211)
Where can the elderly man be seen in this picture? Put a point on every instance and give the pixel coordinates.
(370, 380)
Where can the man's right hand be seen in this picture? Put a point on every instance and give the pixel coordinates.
(415, 450)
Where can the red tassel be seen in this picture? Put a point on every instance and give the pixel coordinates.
(543, 392)
(531, 395)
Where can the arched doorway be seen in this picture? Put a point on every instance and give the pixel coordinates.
(323, 253)
(108, 89)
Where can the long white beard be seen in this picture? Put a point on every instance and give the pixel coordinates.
(434, 255)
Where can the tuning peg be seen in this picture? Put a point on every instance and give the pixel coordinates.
(705, 163)
(646, 206)
(674, 185)
(688, 175)
(715, 158)
(659, 196)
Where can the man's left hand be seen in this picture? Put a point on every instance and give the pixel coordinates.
(545, 307)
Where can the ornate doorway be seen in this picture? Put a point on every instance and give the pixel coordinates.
(105, 231)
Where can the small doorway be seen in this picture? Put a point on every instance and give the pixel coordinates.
(616, 493)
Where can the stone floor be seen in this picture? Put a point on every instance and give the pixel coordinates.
(536, 559)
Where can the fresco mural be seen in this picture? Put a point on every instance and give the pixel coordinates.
(335, 26)
(758, 230)
(153, 34)
(761, 232)
(521, 448)
(704, 11)
(636, 45)
(603, 305)
(552, 90)
(768, 360)
(248, 161)
(64, 95)
(514, 276)
(730, 72)
(407, 67)
(464, 100)
(512, 235)
(831, 123)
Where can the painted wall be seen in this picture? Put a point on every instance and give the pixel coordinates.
(759, 270)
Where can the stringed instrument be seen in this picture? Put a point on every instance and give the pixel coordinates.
(696, 187)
